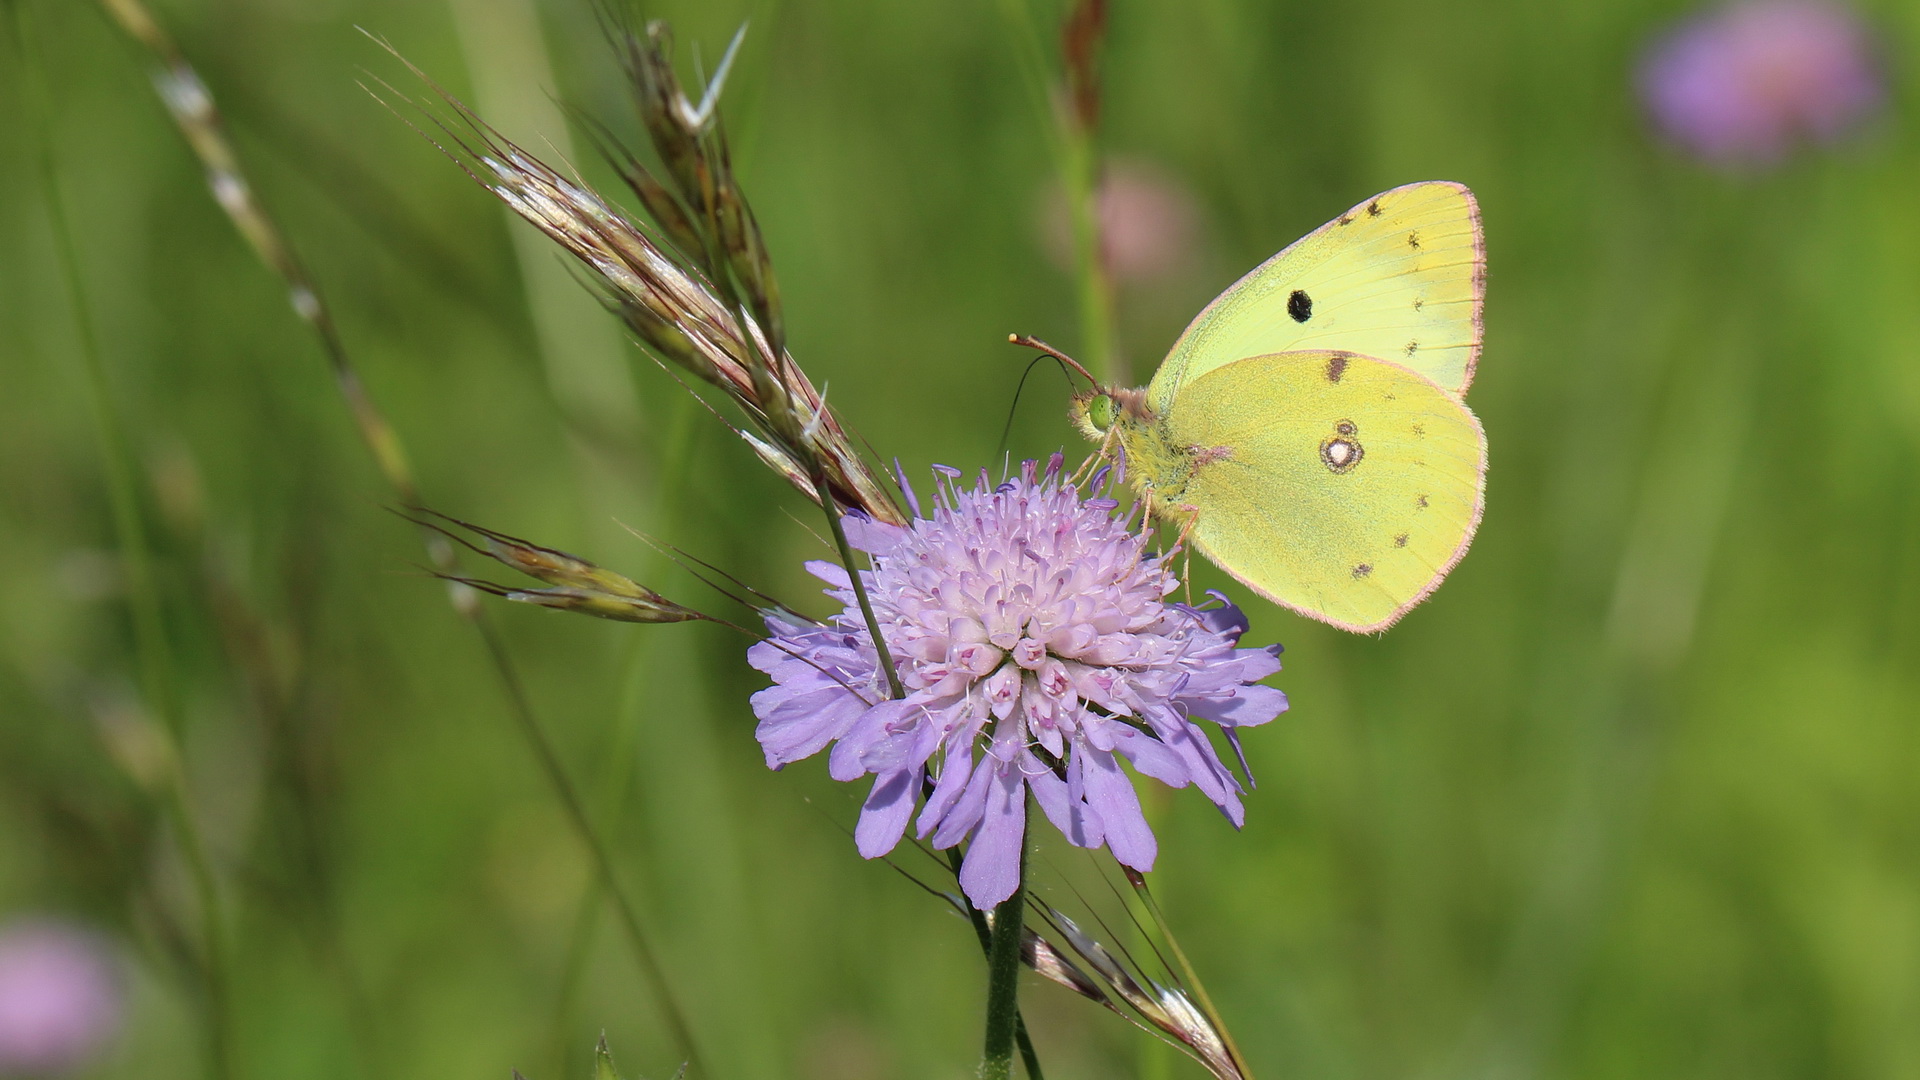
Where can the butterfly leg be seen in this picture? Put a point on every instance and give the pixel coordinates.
(1186, 550)
(1105, 453)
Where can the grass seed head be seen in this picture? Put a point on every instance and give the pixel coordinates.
(703, 296)
(575, 584)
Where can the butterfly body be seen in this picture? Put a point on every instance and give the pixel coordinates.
(1285, 442)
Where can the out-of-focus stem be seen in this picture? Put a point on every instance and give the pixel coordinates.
(580, 352)
(622, 747)
(1093, 279)
(1072, 135)
(153, 652)
(192, 106)
(556, 773)
(194, 111)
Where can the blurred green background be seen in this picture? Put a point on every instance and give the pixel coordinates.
(1637, 794)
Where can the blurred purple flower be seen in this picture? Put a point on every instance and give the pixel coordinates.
(1149, 223)
(1743, 84)
(1031, 630)
(59, 997)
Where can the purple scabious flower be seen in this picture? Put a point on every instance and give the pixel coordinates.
(1033, 634)
(1742, 85)
(60, 998)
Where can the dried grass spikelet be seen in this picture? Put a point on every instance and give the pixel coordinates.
(574, 583)
(698, 288)
(1114, 981)
(1170, 1009)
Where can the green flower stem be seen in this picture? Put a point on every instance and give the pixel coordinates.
(1003, 981)
(153, 654)
(1028, 1056)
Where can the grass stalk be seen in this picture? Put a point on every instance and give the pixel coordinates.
(192, 107)
(673, 454)
(894, 687)
(556, 774)
(153, 652)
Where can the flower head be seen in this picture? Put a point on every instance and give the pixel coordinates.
(59, 997)
(1035, 639)
(1742, 85)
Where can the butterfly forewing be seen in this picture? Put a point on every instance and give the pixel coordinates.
(1341, 486)
(1400, 276)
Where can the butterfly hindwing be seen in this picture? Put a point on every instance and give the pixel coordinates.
(1400, 276)
(1341, 486)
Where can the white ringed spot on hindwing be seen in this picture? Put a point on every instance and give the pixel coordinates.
(1341, 451)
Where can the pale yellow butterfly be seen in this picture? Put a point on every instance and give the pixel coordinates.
(1307, 431)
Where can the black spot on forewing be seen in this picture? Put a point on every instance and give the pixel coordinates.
(1362, 571)
(1345, 219)
(1300, 306)
(1419, 431)
(1400, 541)
(1413, 240)
(1419, 302)
(1373, 208)
(1421, 500)
(1336, 367)
(1412, 347)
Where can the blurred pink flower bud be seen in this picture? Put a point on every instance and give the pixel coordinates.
(60, 998)
(1743, 84)
(1150, 223)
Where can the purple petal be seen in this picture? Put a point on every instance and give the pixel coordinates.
(830, 572)
(844, 763)
(1022, 614)
(884, 817)
(966, 812)
(1077, 821)
(991, 871)
(1112, 795)
(866, 534)
(1205, 768)
(1151, 756)
(1248, 706)
(954, 773)
(1223, 618)
(801, 725)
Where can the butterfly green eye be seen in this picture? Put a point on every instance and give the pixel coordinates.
(1101, 411)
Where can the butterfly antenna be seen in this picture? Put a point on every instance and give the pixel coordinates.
(1026, 341)
(1006, 431)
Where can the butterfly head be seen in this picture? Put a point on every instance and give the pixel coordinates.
(1096, 411)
